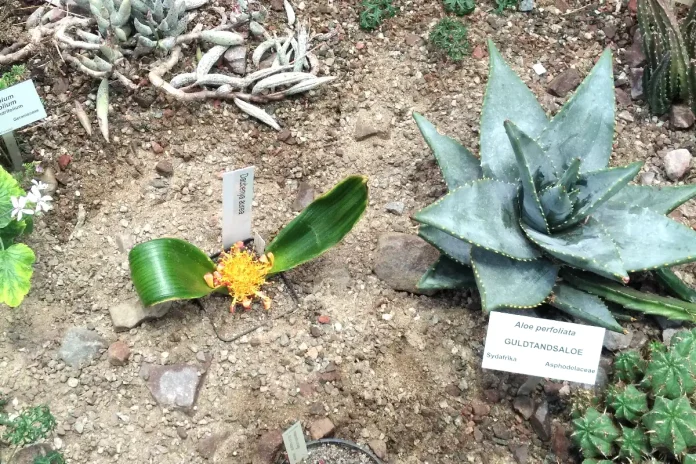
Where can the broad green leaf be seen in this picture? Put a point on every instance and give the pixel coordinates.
(15, 273)
(533, 167)
(674, 285)
(507, 98)
(631, 298)
(584, 127)
(452, 247)
(13, 230)
(661, 199)
(457, 164)
(586, 247)
(321, 225)
(167, 269)
(646, 239)
(509, 283)
(447, 274)
(584, 306)
(595, 188)
(9, 187)
(483, 213)
(556, 204)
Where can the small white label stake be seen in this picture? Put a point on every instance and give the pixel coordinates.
(20, 105)
(237, 195)
(543, 348)
(295, 444)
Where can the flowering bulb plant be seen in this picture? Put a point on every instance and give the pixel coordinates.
(17, 211)
(168, 269)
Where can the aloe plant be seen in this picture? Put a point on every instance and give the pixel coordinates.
(168, 269)
(538, 217)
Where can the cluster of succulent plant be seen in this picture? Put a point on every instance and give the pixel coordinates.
(29, 426)
(648, 413)
(374, 12)
(451, 38)
(459, 7)
(503, 5)
(669, 48)
(538, 217)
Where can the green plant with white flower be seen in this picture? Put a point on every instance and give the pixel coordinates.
(17, 211)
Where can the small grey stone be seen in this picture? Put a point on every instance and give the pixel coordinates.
(395, 207)
(529, 386)
(375, 123)
(681, 117)
(614, 341)
(524, 405)
(379, 447)
(402, 259)
(284, 340)
(667, 335)
(565, 82)
(541, 421)
(201, 356)
(175, 386)
(677, 163)
(165, 168)
(636, 83)
(502, 431)
(526, 5)
(209, 445)
(305, 195)
(521, 453)
(80, 345)
(647, 178)
(315, 331)
(73, 382)
(321, 428)
(235, 58)
(132, 313)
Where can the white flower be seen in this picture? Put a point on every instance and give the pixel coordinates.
(42, 203)
(39, 185)
(19, 207)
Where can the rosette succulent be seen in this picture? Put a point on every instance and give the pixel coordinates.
(539, 217)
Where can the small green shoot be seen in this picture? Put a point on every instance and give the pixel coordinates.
(450, 37)
(13, 76)
(505, 5)
(374, 12)
(460, 7)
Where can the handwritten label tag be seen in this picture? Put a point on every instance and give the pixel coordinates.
(20, 105)
(295, 444)
(237, 195)
(543, 348)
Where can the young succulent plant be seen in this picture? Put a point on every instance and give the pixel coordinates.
(629, 366)
(656, 416)
(538, 217)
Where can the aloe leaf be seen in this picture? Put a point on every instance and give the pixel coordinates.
(483, 213)
(454, 248)
(534, 172)
(674, 285)
(661, 199)
(457, 164)
(571, 174)
(507, 98)
(9, 187)
(556, 204)
(595, 188)
(586, 247)
(631, 298)
(447, 274)
(647, 240)
(509, 283)
(584, 306)
(15, 273)
(321, 225)
(585, 125)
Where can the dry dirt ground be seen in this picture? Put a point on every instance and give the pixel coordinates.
(411, 380)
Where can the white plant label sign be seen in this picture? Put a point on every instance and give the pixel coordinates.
(543, 348)
(20, 105)
(237, 195)
(295, 444)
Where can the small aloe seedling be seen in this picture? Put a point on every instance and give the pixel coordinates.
(628, 403)
(629, 367)
(595, 434)
(459, 7)
(374, 12)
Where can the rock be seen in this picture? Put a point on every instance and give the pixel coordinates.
(539, 69)
(625, 116)
(681, 117)
(284, 340)
(373, 123)
(562, 5)
(634, 56)
(277, 5)
(323, 319)
(269, 444)
(64, 161)
(480, 409)
(502, 431)
(235, 59)
(132, 313)
(622, 98)
(49, 178)
(395, 207)
(478, 53)
(614, 341)
(526, 5)
(520, 452)
(541, 421)
(565, 82)
(157, 148)
(560, 444)
(609, 31)
(413, 40)
(118, 353)
(379, 447)
(402, 259)
(181, 432)
(315, 331)
(667, 335)
(284, 135)
(80, 345)
(677, 163)
(73, 382)
(175, 386)
(209, 445)
(636, 83)
(317, 409)
(305, 195)
(529, 386)
(29, 454)
(647, 178)
(321, 428)
(524, 405)
(164, 168)
(665, 323)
